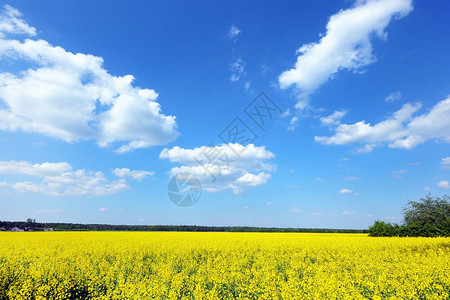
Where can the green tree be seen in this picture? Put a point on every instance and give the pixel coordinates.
(380, 228)
(430, 216)
(428, 211)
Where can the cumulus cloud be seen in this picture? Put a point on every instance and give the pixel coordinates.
(345, 191)
(58, 179)
(73, 97)
(402, 130)
(345, 45)
(219, 167)
(444, 184)
(334, 118)
(38, 170)
(135, 174)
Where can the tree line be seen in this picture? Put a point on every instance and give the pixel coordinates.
(32, 225)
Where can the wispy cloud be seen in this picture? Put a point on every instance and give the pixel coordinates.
(233, 32)
(393, 97)
(352, 178)
(348, 213)
(320, 179)
(445, 163)
(237, 69)
(399, 173)
(48, 211)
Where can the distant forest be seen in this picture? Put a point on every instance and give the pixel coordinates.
(32, 225)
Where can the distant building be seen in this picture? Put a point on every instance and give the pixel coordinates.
(48, 229)
(16, 229)
(2, 229)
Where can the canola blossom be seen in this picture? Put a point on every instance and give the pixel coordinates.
(188, 265)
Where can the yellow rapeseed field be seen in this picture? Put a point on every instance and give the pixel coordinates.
(181, 265)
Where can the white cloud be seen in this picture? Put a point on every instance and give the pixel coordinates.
(445, 163)
(39, 170)
(228, 170)
(234, 32)
(348, 213)
(334, 118)
(346, 44)
(237, 69)
(368, 216)
(393, 97)
(135, 174)
(345, 191)
(427, 188)
(292, 123)
(102, 209)
(48, 211)
(399, 173)
(296, 211)
(364, 149)
(352, 178)
(444, 184)
(74, 98)
(10, 22)
(316, 214)
(269, 203)
(320, 179)
(58, 179)
(292, 186)
(402, 130)
(286, 113)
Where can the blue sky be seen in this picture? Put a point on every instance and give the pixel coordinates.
(102, 103)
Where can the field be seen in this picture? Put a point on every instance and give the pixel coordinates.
(176, 265)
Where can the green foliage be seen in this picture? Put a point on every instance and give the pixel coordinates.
(380, 228)
(429, 217)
